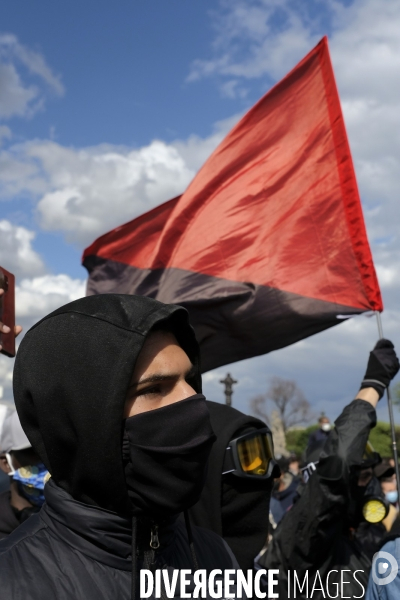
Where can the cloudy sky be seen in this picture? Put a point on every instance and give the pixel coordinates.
(107, 110)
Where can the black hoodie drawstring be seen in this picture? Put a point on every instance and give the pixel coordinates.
(133, 559)
(190, 537)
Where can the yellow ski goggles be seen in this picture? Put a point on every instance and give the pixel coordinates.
(251, 455)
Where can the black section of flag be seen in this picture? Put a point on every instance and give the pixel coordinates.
(232, 320)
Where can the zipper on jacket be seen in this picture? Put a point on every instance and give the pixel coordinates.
(154, 541)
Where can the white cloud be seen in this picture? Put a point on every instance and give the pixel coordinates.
(5, 133)
(18, 97)
(6, 369)
(248, 43)
(35, 298)
(258, 38)
(97, 189)
(85, 192)
(16, 252)
(389, 276)
(19, 174)
(365, 49)
(39, 296)
(232, 89)
(14, 97)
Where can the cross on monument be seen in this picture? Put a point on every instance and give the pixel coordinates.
(228, 381)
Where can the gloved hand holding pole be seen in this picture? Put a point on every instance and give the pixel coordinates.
(385, 363)
(383, 366)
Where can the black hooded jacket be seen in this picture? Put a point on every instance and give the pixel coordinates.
(235, 508)
(315, 537)
(70, 380)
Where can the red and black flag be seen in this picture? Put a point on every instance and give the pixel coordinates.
(267, 245)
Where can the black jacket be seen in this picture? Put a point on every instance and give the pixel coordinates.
(71, 376)
(73, 551)
(315, 534)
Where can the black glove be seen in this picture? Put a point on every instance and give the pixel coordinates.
(383, 365)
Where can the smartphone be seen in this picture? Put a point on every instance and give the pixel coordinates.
(7, 311)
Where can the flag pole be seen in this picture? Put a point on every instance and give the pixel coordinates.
(391, 417)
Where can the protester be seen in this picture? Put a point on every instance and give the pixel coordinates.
(284, 491)
(26, 471)
(294, 464)
(384, 470)
(318, 438)
(389, 488)
(108, 390)
(234, 502)
(387, 479)
(316, 537)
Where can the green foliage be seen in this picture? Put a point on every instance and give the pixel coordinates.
(380, 438)
(297, 439)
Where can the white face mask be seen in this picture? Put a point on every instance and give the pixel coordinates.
(326, 426)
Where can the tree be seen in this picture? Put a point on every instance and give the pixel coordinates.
(287, 399)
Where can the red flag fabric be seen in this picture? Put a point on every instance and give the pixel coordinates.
(267, 245)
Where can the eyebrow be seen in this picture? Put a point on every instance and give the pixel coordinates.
(156, 377)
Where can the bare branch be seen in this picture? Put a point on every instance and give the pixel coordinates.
(258, 407)
(288, 399)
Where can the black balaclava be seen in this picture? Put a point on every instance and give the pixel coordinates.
(71, 375)
(165, 453)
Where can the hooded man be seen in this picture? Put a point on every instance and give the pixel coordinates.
(108, 390)
(26, 472)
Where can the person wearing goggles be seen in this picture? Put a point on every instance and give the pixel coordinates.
(235, 499)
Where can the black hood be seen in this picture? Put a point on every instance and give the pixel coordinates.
(235, 508)
(71, 375)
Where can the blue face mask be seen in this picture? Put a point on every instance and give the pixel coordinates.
(392, 496)
(31, 481)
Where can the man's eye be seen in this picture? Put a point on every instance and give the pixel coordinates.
(149, 391)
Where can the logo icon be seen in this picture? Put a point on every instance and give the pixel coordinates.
(384, 563)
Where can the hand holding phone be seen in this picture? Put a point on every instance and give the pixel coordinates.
(8, 329)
